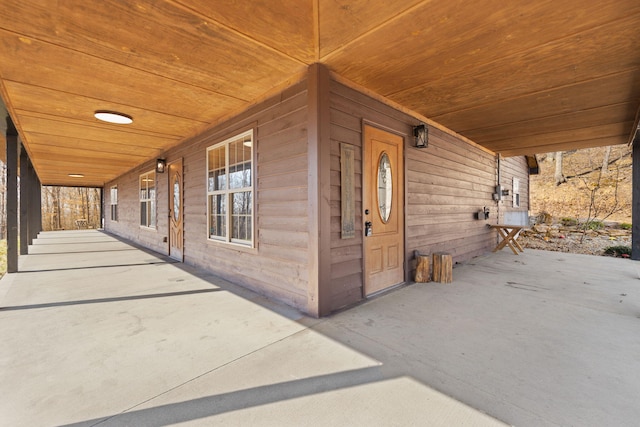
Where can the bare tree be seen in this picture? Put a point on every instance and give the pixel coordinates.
(559, 176)
(599, 210)
(605, 161)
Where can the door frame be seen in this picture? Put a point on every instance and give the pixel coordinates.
(405, 135)
(170, 207)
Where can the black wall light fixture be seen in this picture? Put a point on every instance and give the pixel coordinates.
(421, 133)
(161, 164)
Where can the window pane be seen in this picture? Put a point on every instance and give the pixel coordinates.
(143, 213)
(240, 163)
(151, 185)
(152, 212)
(143, 187)
(217, 179)
(217, 215)
(385, 187)
(241, 216)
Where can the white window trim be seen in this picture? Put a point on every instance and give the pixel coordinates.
(516, 192)
(113, 201)
(155, 183)
(227, 240)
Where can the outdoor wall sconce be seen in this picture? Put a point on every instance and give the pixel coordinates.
(421, 133)
(161, 164)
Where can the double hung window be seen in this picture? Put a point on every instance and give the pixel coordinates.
(148, 200)
(230, 190)
(114, 203)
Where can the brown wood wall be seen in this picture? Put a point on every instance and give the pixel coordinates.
(514, 167)
(278, 267)
(446, 184)
(128, 222)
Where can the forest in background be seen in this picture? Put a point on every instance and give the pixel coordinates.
(61, 206)
(67, 208)
(586, 184)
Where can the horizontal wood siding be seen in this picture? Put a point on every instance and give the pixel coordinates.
(277, 267)
(128, 224)
(446, 184)
(514, 167)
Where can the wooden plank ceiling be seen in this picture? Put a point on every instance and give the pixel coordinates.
(518, 77)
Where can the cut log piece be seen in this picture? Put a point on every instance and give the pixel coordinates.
(423, 265)
(442, 267)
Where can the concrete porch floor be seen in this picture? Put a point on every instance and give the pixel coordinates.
(97, 332)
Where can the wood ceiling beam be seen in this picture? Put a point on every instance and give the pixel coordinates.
(63, 105)
(56, 151)
(456, 38)
(166, 39)
(531, 72)
(613, 89)
(80, 132)
(237, 20)
(615, 130)
(84, 145)
(570, 145)
(346, 25)
(607, 114)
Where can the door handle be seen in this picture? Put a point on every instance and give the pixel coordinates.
(368, 229)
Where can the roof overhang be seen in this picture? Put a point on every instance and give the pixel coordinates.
(516, 77)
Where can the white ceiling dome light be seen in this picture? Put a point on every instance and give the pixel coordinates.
(113, 117)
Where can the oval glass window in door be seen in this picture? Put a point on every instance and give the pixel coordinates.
(176, 199)
(385, 187)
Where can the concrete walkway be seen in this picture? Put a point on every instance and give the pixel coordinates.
(97, 332)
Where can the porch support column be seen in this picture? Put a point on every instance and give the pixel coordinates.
(35, 207)
(319, 189)
(38, 197)
(635, 210)
(31, 215)
(25, 184)
(102, 218)
(12, 197)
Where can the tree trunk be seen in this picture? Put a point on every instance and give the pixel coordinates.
(605, 161)
(559, 177)
(57, 210)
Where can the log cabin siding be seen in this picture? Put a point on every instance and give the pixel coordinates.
(128, 224)
(445, 185)
(449, 182)
(277, 266)
(514, 167)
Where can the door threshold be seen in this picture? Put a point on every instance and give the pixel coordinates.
(385, 290)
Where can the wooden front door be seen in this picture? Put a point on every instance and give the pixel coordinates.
(176, 234)
(383, 210)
